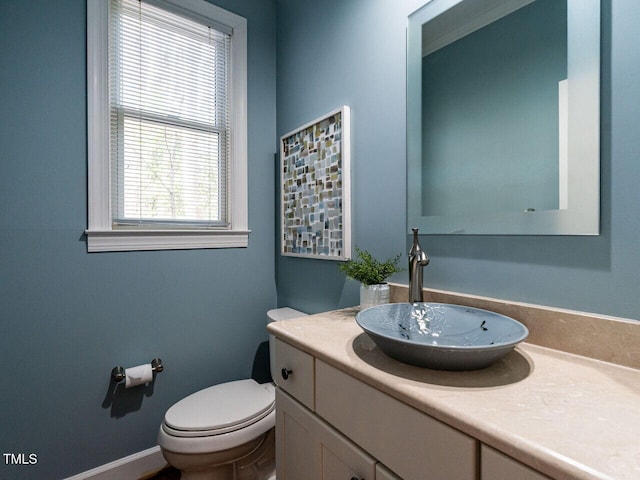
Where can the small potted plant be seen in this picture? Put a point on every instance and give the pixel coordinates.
(372, 275)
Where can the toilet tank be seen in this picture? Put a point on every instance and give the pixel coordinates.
(276, 315)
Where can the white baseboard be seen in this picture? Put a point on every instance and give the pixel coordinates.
(129, 468)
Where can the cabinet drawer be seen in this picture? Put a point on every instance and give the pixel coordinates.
(497, 466)
(412, 444)
(294, 373)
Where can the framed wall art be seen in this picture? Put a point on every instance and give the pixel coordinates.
(315, 188)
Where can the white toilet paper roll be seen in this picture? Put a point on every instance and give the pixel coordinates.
(138, 375)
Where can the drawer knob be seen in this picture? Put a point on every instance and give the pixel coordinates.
(285, 372)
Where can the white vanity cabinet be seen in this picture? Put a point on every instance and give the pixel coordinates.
(349, 428)
(529, 418)
(332, 426)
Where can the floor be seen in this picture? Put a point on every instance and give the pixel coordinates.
(167, 473)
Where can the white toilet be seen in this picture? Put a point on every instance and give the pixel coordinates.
(225, 432)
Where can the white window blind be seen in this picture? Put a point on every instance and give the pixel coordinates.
(169, 118)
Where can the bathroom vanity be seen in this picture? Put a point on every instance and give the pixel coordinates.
(346, 410)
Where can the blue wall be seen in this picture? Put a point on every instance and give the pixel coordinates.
(336, 52)
(68, 317)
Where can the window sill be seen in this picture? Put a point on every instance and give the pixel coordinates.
(134, 240)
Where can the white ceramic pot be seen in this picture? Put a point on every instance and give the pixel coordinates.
(371, 295)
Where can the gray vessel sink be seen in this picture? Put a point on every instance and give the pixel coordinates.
(441, 336)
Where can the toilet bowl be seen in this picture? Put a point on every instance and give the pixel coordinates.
(224, 432)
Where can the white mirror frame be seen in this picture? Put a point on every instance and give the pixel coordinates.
(582, 213)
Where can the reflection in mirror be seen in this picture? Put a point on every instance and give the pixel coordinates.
(503, 117)
(474, 93)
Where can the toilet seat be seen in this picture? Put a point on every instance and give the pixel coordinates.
(220, 409)
(219, 417)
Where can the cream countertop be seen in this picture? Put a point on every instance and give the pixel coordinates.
(564, 415)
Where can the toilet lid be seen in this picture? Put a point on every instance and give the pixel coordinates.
(221, 408)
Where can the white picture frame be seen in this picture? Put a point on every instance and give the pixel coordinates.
(315, 190)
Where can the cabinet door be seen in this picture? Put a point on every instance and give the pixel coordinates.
(498, 466)
(308, 448)
(341, 458)
(298, 451)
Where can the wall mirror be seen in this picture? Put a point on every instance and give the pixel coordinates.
(503, 117)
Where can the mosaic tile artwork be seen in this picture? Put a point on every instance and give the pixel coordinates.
(313, 194)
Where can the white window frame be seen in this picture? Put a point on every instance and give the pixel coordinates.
(101, 236)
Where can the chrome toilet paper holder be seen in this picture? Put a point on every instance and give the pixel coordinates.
(118, 373)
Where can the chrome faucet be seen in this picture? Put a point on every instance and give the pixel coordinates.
(418, 258)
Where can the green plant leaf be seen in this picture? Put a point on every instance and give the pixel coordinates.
(368, 269)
